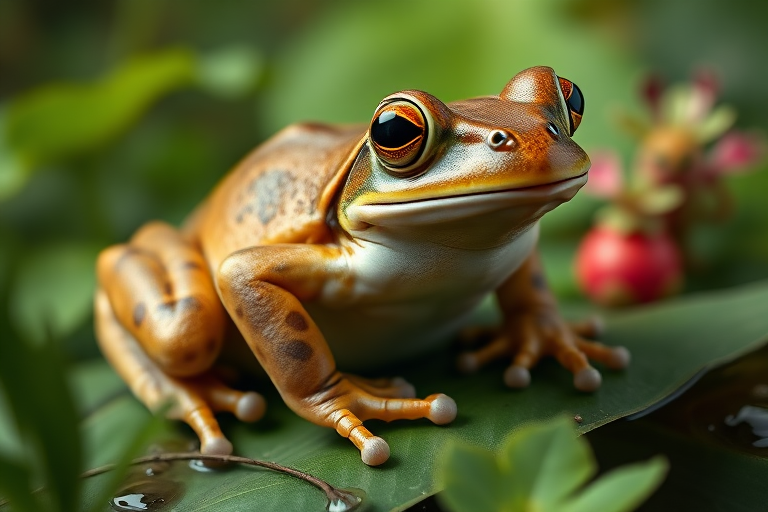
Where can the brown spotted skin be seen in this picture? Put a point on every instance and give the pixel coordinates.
(298, 226)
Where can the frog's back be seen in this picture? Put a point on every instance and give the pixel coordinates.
(279, 193)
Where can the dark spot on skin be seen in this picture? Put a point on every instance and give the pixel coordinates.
(268, 191)
(210, 346)
(186, 303)
(239, 312)
(538, 281)
(296, 320)
(168, 289)
(191, 265)
(297, 349)
(139, 312)
(189, 357)
(131, 253)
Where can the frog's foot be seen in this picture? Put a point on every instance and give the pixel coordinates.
(395, 387)
(531, 336)
(196, 399)
(344, 405)
(192, 399)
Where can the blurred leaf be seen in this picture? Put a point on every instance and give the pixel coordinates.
(691, 334)
(32, 378)
(54, 290)
(659, 200)
(622, 489)
(13, 172)
(471, 478)
(230, 72)
(15, 486)
(542, 467)
(716, 123)
(141, 437)
(60, 120)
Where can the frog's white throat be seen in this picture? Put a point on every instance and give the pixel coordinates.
(514, 207)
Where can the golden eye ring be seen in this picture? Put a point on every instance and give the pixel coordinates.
(400, 134)
(575, 101)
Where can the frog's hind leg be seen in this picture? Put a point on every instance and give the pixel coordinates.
(161, 292)
(160, 324)
(193, 400)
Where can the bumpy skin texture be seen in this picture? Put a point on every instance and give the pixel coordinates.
(325, 245)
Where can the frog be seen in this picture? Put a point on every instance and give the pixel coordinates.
(333, 250)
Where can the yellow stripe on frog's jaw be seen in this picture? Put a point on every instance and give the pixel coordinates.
(437, 210)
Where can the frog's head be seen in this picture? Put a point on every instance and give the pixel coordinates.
(476, 171)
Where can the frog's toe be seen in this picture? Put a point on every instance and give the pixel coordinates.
(215, 446)
(375, 451)
(470, 362)
(517, 376)
(587, 379)
(592, 327)
(250, 407)
(619, 358)
(615, 358)
(442, 409)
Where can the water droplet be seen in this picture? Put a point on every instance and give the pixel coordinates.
(756, 418)
(151, 494)
(347, 499)
(207, 466)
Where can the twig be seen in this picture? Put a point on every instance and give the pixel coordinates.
(334, 495)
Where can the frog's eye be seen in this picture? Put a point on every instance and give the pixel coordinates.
(399, 134)
(575, 101)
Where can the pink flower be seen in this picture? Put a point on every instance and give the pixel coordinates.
(737, 151)
(605, 175)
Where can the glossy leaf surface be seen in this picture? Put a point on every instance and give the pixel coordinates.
(670, 343)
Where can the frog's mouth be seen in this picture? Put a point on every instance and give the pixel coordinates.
(531, 201)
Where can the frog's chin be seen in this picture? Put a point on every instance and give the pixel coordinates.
(528, 203)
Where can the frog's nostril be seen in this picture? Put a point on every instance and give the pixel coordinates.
(500, 140)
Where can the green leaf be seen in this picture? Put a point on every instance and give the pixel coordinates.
(545, 464)
(60, 120)
(32, 378)
(15, 486)
(152, 428)
(471, 479)
(13, 172)
(543, 467)
(620, 490)
(691, 333)
(54, 291)
(230, 72)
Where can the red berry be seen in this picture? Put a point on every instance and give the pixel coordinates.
(616, 269)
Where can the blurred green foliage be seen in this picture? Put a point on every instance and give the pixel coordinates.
(114, 113)
(543, 467)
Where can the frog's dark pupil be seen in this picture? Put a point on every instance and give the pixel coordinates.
(576, 100)
(394, 132)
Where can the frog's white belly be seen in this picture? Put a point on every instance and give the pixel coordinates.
(410, 296)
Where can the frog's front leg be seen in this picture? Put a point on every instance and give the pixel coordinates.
(533, 328)
(263, 289)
